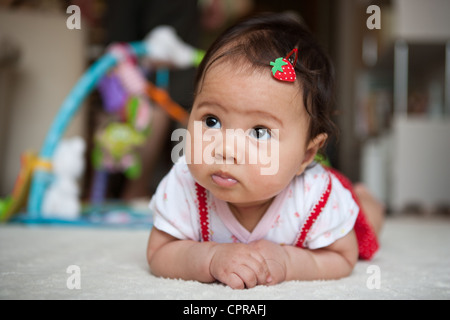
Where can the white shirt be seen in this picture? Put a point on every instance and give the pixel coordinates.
(175, 209)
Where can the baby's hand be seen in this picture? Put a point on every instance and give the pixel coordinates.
(239, 266)
(275, 257)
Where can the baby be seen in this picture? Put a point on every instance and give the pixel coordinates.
(233, 212)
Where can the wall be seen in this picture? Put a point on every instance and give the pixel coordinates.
(418, 20)
(421, 156)
(51, 61)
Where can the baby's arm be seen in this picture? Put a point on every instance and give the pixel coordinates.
(236, 265)
(332, 262)
(293, 263)
(170, 257)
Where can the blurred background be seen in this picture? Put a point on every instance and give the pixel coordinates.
(392, 71)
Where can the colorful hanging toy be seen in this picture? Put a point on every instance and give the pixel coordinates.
(127, 97)
(123, 91)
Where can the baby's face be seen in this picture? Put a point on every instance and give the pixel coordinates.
(248, 134)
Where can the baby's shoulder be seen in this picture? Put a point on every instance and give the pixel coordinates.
(314, 182)
(180, 171)
(178, 179)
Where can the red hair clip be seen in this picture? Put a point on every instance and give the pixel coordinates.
(283, 68)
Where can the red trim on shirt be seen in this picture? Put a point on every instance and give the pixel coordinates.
(203, 211)
(314, 214)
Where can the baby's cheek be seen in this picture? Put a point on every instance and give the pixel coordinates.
(195, 170)
(267, 186)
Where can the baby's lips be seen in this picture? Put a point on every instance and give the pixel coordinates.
(223, 180)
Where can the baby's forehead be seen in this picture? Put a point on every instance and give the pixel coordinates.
(238, 66)
(235, 66)
(234, 83)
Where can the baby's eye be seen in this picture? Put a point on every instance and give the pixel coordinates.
(212, 122)
(260, 133)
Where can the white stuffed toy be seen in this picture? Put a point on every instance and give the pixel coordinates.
(61, 199)
(164, 45)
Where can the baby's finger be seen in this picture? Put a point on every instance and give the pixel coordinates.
(234, 281)
(261, 268)
(248, 276)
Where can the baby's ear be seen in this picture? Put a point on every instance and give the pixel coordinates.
(313, 147)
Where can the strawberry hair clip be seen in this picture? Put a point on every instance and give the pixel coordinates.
(283, 68)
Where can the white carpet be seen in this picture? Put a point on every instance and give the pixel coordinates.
(414, 263)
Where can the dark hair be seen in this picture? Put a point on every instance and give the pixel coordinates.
(264, 38)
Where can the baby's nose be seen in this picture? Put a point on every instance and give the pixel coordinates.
(232, 147)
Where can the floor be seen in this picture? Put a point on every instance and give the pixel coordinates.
(54, 262)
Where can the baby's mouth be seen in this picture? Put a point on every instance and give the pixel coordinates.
(223, 179)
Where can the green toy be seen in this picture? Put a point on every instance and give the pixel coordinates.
(116, 149)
